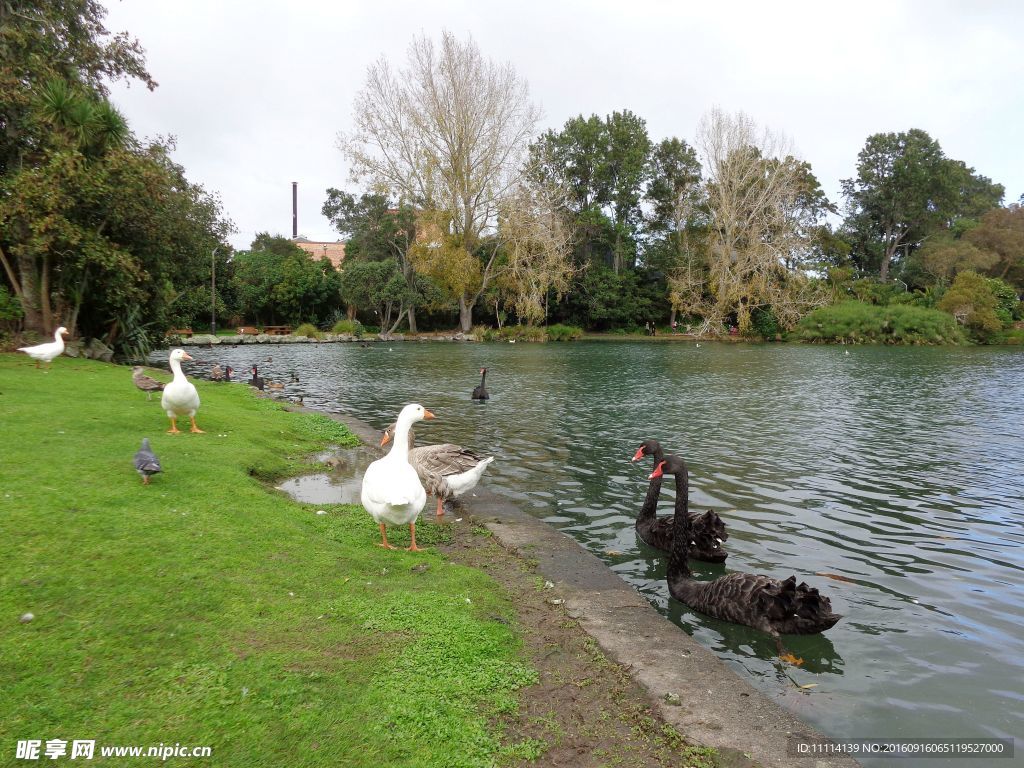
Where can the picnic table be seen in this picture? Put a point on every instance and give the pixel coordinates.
(277, 330)
(185, 332)
(248, 330)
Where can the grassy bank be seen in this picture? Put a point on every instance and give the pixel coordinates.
(205, 610)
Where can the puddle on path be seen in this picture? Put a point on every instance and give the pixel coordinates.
(339, 485)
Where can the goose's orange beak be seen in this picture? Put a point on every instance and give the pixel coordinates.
(428, 415)
(186, 356)
(385, 439)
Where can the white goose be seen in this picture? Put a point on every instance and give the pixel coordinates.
(180, 397)
(392, 492)
(47, 352)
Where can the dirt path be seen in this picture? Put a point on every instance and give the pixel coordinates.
(586, 710)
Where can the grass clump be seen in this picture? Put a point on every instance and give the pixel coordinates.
(855, 322)
(353, 327)
(208, 610)
(559, 332)
(308, 330)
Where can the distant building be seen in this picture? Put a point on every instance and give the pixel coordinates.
(334, 251)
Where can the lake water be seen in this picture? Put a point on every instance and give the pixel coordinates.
(898, 470)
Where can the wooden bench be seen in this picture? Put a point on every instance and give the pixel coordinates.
(248, 330)
(185, 332)
(277, 330)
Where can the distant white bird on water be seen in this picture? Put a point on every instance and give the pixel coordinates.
(146, 462)
(46, 353)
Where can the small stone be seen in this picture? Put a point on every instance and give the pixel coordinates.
(321, 511)
(556, 601)
(549, 585)
(27, 617)
(291, 594)
(673, 699)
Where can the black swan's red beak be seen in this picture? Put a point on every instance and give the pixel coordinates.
(639, 454)
(657, 471)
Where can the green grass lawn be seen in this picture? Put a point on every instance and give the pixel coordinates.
(208, 610)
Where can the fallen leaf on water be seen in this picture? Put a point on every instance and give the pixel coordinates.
(948, 537)
(809, 685)
(835, 576)
(789, 658)
(612, 552)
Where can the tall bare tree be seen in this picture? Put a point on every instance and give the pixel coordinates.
(448, 133)
(753, 190)
(537, 250)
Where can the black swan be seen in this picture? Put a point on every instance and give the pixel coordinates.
(707, 529)
(480, 393)
(446, 470)
(773, 606)
(256, 380)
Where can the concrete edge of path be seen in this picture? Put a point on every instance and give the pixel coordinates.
(714, 706)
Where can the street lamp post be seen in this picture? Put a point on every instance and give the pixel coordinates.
(213, 291)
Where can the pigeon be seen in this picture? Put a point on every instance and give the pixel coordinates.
(146, 462)
(145, 383)
(216, 373)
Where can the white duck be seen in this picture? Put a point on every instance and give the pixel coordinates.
(47, 352)
(180, 397)
(392, 492)
(447, 470)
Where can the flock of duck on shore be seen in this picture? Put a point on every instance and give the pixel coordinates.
(395, 487)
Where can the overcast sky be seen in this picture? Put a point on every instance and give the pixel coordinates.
(255, 92)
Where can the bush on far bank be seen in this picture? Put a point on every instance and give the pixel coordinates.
(855, 322)
(353, 327)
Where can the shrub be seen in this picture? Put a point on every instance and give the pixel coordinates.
(1012, 336)
(484, 332)
(559, 332)
(1008, 306)
(522, 333)
(764, 322)
(855, 322)
(353, 327)
(971, 300)
(308, 330)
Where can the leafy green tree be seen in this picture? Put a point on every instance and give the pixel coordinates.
(602, 164)
(96, 229)
(1001, 233)
(276, 281)
(905, 190)
(678, 219)
(943, 256)
(46, 42)
(625, 170)
(377, 230)
(378, 287)
(603, 300)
